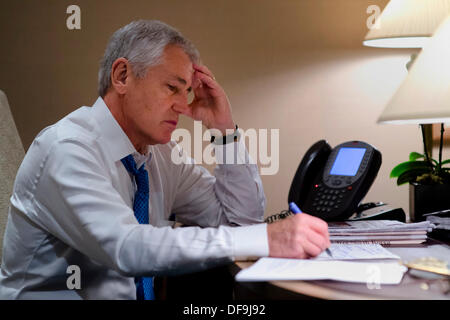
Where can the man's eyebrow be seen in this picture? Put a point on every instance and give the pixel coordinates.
(182, 81)
(179, 79)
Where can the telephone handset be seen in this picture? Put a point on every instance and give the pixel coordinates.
(330, 183)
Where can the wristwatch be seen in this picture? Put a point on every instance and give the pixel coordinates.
(227, 139)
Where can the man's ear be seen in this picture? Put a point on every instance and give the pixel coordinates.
(120, 71)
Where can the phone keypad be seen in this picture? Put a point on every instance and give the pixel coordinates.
(327, 199)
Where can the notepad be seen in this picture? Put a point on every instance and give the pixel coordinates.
(271, 269)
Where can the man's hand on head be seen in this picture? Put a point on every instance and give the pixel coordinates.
(210, 104)
(299, 236)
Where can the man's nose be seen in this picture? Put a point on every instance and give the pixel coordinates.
(181, 104)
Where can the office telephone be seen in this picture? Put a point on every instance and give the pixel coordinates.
(331, 182)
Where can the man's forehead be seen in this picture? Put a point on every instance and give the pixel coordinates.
(175, 65)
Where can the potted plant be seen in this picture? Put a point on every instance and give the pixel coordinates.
(429, 180)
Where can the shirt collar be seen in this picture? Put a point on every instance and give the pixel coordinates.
(114, 139)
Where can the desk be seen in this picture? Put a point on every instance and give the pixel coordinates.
(411, 287)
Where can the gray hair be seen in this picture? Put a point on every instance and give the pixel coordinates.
(142, 43)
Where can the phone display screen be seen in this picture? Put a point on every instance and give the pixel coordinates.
(347, 161)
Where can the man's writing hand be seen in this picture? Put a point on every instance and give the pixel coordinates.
(300, 236)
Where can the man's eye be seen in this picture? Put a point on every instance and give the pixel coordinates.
(172, 88)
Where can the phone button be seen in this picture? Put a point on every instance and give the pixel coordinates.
(336, 182)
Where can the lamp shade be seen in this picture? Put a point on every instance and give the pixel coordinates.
(407, 23)
(424, 95)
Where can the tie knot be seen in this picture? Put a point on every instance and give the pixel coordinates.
(130, 165)
(140, 174)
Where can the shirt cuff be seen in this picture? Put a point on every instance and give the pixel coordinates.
(251, 242)
(233, 153)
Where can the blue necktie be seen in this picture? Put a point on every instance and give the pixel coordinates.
(144, 285)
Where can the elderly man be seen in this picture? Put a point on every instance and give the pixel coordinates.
(95, 190)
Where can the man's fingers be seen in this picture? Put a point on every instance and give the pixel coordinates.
(207, 80)
(322, 232)
(320, 240)
(195, 81)
(311, 248)
(317, 224)
(204, 70)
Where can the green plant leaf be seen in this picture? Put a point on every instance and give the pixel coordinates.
(413, 156)
(409, 166)
(410, 176)
(445, 162)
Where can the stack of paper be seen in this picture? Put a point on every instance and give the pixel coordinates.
(384, 232)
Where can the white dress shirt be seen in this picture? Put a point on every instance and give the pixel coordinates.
(72, 204)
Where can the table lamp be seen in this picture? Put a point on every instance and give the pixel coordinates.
(409, 24)
(424, 98)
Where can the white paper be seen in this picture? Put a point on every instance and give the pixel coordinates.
(356, 252)
(271, 269)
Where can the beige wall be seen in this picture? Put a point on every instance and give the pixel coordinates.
(293, 65)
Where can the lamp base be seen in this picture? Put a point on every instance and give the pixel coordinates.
(426, 199)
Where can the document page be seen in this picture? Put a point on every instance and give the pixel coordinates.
(271, 269)
(356, 252)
